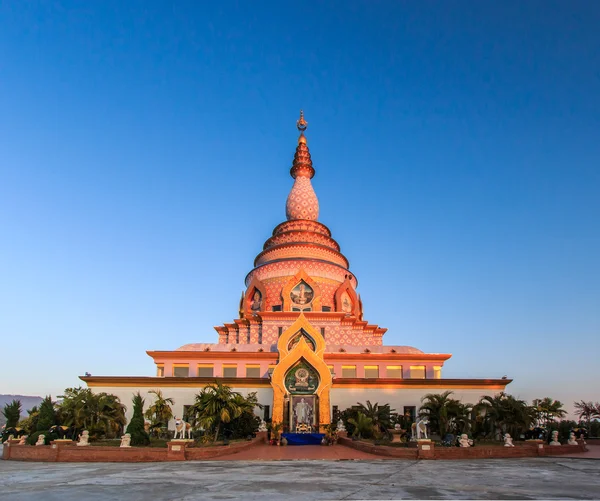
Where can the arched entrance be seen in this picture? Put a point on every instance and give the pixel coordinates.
(301, 412)
(301, 348)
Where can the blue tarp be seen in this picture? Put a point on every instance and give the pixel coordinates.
(303, 438)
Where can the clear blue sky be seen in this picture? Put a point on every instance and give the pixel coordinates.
(145, 151)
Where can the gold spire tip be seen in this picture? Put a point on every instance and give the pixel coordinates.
(301, 123)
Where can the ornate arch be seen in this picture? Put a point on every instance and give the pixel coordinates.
(346, 288)
(289, 358)
(301, 276)
(255, 285)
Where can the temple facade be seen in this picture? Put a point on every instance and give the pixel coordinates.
(300, 340)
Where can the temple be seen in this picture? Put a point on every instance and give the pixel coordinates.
(300, 340)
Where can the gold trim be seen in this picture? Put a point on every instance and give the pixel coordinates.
(288, 358)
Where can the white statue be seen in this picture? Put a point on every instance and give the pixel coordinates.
(302, 411)
(419, 428)
(41, 440)
(23, 440)
(126, 440)
(508, 441)
(182, 429)
(263, 425)
(84, 438)
(572, 440)
(340, 426)
(555, 438)
(465, 441)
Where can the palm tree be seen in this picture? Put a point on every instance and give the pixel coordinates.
(160, 412)
(587, 411)
(461, 416)
(363, 425)
(438, 408)
(548, 410)
(504, 413)
(100, 413)
(217, 404)
(380, 415)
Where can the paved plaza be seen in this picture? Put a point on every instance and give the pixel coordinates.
(534, 478)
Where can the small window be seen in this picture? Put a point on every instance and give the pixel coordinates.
(279, 331)
(394, 371)
(230, 371)
(410, 411)
(323, 332)
(205, 371)
(276, 307)
(348, 371)
(267, 414)
(371, 371)
(181, 371)
(326, 308)
(437, 372)
(252, 371)
(160, 371)
(417, 372)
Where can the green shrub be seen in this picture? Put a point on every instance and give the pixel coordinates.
(47, 416)
(136, 426)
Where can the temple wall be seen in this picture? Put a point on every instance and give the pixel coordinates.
(398, 398)
(182, 396)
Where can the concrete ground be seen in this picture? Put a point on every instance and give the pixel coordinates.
(535, 478)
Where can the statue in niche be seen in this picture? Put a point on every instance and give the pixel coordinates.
(302, 411)
(346, 303)
(302, 294)
(256, 303)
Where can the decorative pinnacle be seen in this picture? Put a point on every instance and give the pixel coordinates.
(301, 123)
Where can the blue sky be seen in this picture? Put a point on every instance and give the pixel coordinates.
(145, 151)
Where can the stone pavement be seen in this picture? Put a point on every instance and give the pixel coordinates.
(593, 452)
(264, 452)
(531, 478)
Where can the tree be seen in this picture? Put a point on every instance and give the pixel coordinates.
(99, 413)
(504, 413)
(437, 409)
(12, 413)
(380, 415)
(47, 416)
(587, 411)
(215, 405)
(136, 426)
(547, 410)
(363, 425)
(160, 412)
(29, 424)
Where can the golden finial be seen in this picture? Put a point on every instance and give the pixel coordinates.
(301, 123)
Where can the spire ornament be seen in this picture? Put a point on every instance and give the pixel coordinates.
(302, 125)
(302, 202)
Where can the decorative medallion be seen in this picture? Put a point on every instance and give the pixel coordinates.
(302, 378)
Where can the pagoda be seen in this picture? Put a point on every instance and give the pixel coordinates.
(300, 341)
